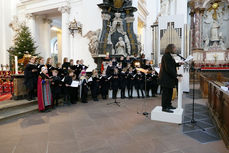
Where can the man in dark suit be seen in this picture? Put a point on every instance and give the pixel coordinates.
(168, 77)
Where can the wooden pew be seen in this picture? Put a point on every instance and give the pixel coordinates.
(218, 103)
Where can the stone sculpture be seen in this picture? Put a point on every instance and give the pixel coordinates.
(93, 36)
(120, 47)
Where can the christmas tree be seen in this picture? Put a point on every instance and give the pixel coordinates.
(23, 45)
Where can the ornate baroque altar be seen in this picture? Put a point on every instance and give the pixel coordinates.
(117, 36)
(209, 31)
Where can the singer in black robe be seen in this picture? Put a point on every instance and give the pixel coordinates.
(168, 77)
(31, 77)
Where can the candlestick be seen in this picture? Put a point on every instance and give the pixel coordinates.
(16, 64)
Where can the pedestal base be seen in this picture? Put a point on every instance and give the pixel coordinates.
(158, 115)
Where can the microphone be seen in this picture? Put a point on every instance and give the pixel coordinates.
(181, 57)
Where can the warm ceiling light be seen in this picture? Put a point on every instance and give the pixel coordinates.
(55, 29)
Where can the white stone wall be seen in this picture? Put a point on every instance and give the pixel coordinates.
(7, 11)
(89, 15)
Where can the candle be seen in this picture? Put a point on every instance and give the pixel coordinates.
(16, 65)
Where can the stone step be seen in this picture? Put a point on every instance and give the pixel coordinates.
(12, 104)
(15, 108)
(17, 112)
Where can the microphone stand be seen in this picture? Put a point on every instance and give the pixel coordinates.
(145, 113)
(193, 122)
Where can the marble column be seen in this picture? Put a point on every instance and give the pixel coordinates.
(197, 44)
(130, 31)
(201, 26)
(65, 10)
(192, 30)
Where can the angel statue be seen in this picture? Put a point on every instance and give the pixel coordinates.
(93, 44)
(15, 24)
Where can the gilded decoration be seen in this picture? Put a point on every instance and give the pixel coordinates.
(214, 7)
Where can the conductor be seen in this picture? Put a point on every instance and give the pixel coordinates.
(168, 77)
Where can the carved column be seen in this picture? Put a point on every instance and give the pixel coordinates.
(130, 29)
(65, 10)
(197, 44)
(132, 36)
(103, 45)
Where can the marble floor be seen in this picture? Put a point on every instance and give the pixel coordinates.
(100, 128)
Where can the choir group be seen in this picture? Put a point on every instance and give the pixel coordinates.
(69, 80)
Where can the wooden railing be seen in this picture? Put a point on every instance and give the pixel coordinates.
(205, 78)
(218, 103)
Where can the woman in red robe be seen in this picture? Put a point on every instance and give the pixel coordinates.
(44, 95)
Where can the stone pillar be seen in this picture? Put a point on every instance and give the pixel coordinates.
(31, 24)
(197, 44)
(59, 42)
(65, 10)
(47, 37)
(3, 47)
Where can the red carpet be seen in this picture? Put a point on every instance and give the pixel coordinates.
(5, 97)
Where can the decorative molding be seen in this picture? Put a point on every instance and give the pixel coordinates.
(29, 16)
(24, 1)
(42, 5)
(64, 9)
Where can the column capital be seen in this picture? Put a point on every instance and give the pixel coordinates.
(154, 25)
(46, 20)
(29, 16)
(106, 16)
(64, 9)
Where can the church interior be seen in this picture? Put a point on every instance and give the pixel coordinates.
(85, 76)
